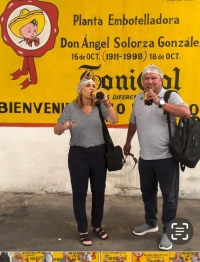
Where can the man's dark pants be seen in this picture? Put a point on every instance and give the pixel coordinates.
(164, 172)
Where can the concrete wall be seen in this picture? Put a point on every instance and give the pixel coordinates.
(35, 160)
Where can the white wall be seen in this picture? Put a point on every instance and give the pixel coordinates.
(35, 160)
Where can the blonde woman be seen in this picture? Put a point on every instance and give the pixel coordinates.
(86, 159)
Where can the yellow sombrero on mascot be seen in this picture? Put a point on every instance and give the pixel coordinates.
(25, 17)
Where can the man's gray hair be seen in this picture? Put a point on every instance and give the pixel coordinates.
(152, 69)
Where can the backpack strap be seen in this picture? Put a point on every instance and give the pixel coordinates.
(167, 94)
(106, 135)
(134, 159)
(166, 98)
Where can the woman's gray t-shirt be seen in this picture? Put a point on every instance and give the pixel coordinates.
(87, 131)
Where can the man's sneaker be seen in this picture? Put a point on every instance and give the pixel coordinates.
(143, 229)
(165, 243)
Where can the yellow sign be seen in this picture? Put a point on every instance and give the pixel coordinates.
(74, 256)
(30, 256)
(42, 65)
(115, 256)
(150, 257)
(183, 256)
(56, 256)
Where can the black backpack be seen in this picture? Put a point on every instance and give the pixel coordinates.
(184, 146)
(4, 257)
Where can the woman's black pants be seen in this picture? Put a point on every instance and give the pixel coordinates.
(85, 164)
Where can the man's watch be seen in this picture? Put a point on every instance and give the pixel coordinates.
(161, 103)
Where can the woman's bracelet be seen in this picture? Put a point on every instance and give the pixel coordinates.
(106, 101)
(105, 104)
(108, 105)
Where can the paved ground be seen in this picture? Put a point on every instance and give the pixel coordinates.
(31, 222)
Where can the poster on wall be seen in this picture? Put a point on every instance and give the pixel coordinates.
(150, 256)
(47, 47)
(134, 256)
(184, 256)
(65, 256)
(115, 256)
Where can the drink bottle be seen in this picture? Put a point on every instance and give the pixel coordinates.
(147, 102)
(99, 95)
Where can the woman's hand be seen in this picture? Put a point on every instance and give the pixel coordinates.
(59, 129)
(68, 124)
